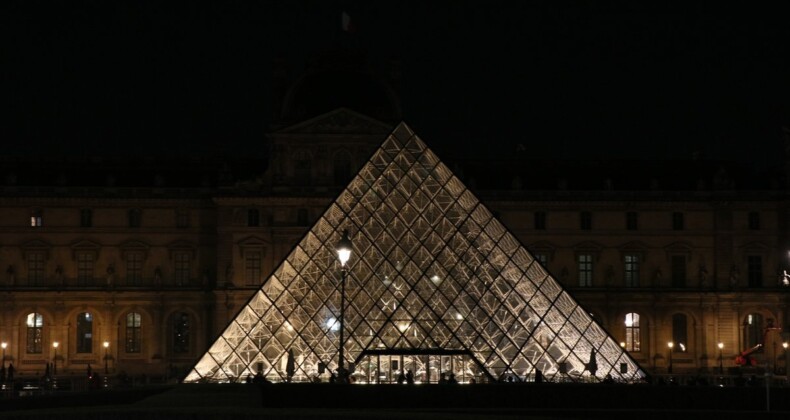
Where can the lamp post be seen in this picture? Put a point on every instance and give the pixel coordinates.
(106, 357)
(343, 254)
(721, 361)
(4, 345)
(787, 374)
(670, 345)
(55, 358)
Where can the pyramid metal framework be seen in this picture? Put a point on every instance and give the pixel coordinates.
(433, 275)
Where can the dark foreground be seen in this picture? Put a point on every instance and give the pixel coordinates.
(326, 401)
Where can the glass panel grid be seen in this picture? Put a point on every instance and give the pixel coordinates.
(431, 269)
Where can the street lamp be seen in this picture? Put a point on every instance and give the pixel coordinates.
(721, 361)
(787, 374)
(670, 345)
(55, 359)
(4, 345)
(106, 357)
(343, 254)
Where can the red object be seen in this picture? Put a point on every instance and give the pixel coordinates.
(745, 358)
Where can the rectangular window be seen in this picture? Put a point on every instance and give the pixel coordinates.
(678, 271)
(253, 218)
(86, 218)
(36, 219)
(252, 268)
(754, 220)
(134, 336)
(677, 221)
(134, 269)
(135, 218)
(585, 220)
(35, 268)
(85, 268)
(182, 219)
(631, 270)
(540, 220)
(679, 333)
(755, 267)
(542, 259)
(182, 268)
(585, 270)
(631, 219)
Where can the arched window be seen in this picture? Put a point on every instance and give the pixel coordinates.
(85, 333)
(35, 333)
(680, 333)
(133, 332)
(181, 332)
(752, 330)
(632, 332)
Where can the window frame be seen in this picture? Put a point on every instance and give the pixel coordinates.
(84, 343)
(134, 329)
(585, 269)
(633, 332)
(34, 340)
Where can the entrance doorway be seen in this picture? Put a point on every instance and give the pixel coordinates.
(427, 366)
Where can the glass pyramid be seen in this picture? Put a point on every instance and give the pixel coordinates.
(435, 284)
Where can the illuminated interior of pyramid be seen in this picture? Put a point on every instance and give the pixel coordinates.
(435, 285)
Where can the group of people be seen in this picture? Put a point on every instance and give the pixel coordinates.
(407, 377)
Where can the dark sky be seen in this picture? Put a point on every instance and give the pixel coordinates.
(564, 79)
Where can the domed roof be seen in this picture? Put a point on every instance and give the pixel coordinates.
(340, 79)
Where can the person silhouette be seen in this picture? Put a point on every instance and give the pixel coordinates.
(442, 379)
(401, 378)
(409, 377)
(452, 380)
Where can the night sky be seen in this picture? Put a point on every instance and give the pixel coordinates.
(569, 80)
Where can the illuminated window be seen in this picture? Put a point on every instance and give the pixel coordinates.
(252, 268)
(679, 333)
(36, 219)
(631, 270)
(181, 333)
(133, 332)
(585, 270)
(632, 332)
(752, 330)
(35, 268)
(35, 333)
(85, 333)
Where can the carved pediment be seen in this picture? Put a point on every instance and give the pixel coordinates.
(339, 121)
(181, 245)
(252, 243)
(756, 248)
(679, 248)
(84, 245)
(634, 248)
(36, 245)
(133, 245)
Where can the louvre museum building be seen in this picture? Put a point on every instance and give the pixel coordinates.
(216, 269)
